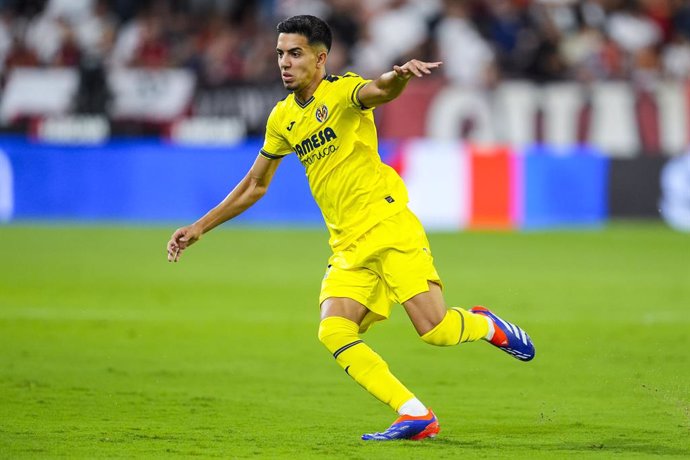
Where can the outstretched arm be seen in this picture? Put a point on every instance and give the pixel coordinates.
(389, 85)
(249, 190)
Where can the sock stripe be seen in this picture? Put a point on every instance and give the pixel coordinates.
(462, 324)
(345, 347)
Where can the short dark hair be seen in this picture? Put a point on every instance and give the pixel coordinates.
(316, 30)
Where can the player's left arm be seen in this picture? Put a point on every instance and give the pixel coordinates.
(390, 84)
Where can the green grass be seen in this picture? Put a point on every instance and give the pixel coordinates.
(106, 350)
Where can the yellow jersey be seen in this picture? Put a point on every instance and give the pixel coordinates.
(334, 137)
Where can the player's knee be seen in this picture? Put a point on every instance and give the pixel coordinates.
(445, 333)
(335, 332)
(325, 333)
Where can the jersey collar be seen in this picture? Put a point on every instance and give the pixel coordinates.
(303, 105)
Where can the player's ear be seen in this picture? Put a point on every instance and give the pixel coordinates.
(321, 57)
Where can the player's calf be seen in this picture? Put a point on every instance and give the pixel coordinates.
(456, 327)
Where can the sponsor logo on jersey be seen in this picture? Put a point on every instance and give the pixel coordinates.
(321, 113)
(317, 146)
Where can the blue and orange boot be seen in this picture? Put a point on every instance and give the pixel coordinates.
(507, 336)
(408, 427)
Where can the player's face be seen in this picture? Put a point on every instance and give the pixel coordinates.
(299, 62)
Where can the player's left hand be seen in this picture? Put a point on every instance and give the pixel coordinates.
(415, 68)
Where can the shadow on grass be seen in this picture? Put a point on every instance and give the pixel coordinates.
(621, 446)
(612, 446)
(572, 439)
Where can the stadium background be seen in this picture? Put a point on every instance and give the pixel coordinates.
(573, 81)
(122, 119)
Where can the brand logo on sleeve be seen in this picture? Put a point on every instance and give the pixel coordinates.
(289, 128)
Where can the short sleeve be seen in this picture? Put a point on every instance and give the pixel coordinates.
(352, 83)
(275, 146)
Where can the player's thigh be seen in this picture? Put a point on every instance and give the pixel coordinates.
(360, 286)
(426, 309)
(343, 307)
(404, 261)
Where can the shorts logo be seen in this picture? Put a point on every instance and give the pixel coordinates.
(321, 113)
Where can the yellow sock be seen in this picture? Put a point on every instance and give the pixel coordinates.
(456, 327)
(340, 336)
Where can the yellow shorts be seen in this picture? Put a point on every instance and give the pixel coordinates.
(390, 263)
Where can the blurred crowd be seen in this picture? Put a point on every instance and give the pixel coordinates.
(480, 41)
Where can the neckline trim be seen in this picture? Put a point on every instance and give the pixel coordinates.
(305, 103)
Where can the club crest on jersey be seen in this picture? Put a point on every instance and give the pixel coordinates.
(321, 113)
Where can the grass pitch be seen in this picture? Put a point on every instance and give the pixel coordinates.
(106, 350)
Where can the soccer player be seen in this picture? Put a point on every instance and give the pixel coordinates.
(381, 254)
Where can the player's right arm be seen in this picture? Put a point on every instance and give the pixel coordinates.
(247, 192)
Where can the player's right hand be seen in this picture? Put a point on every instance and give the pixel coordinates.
(181, 239)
